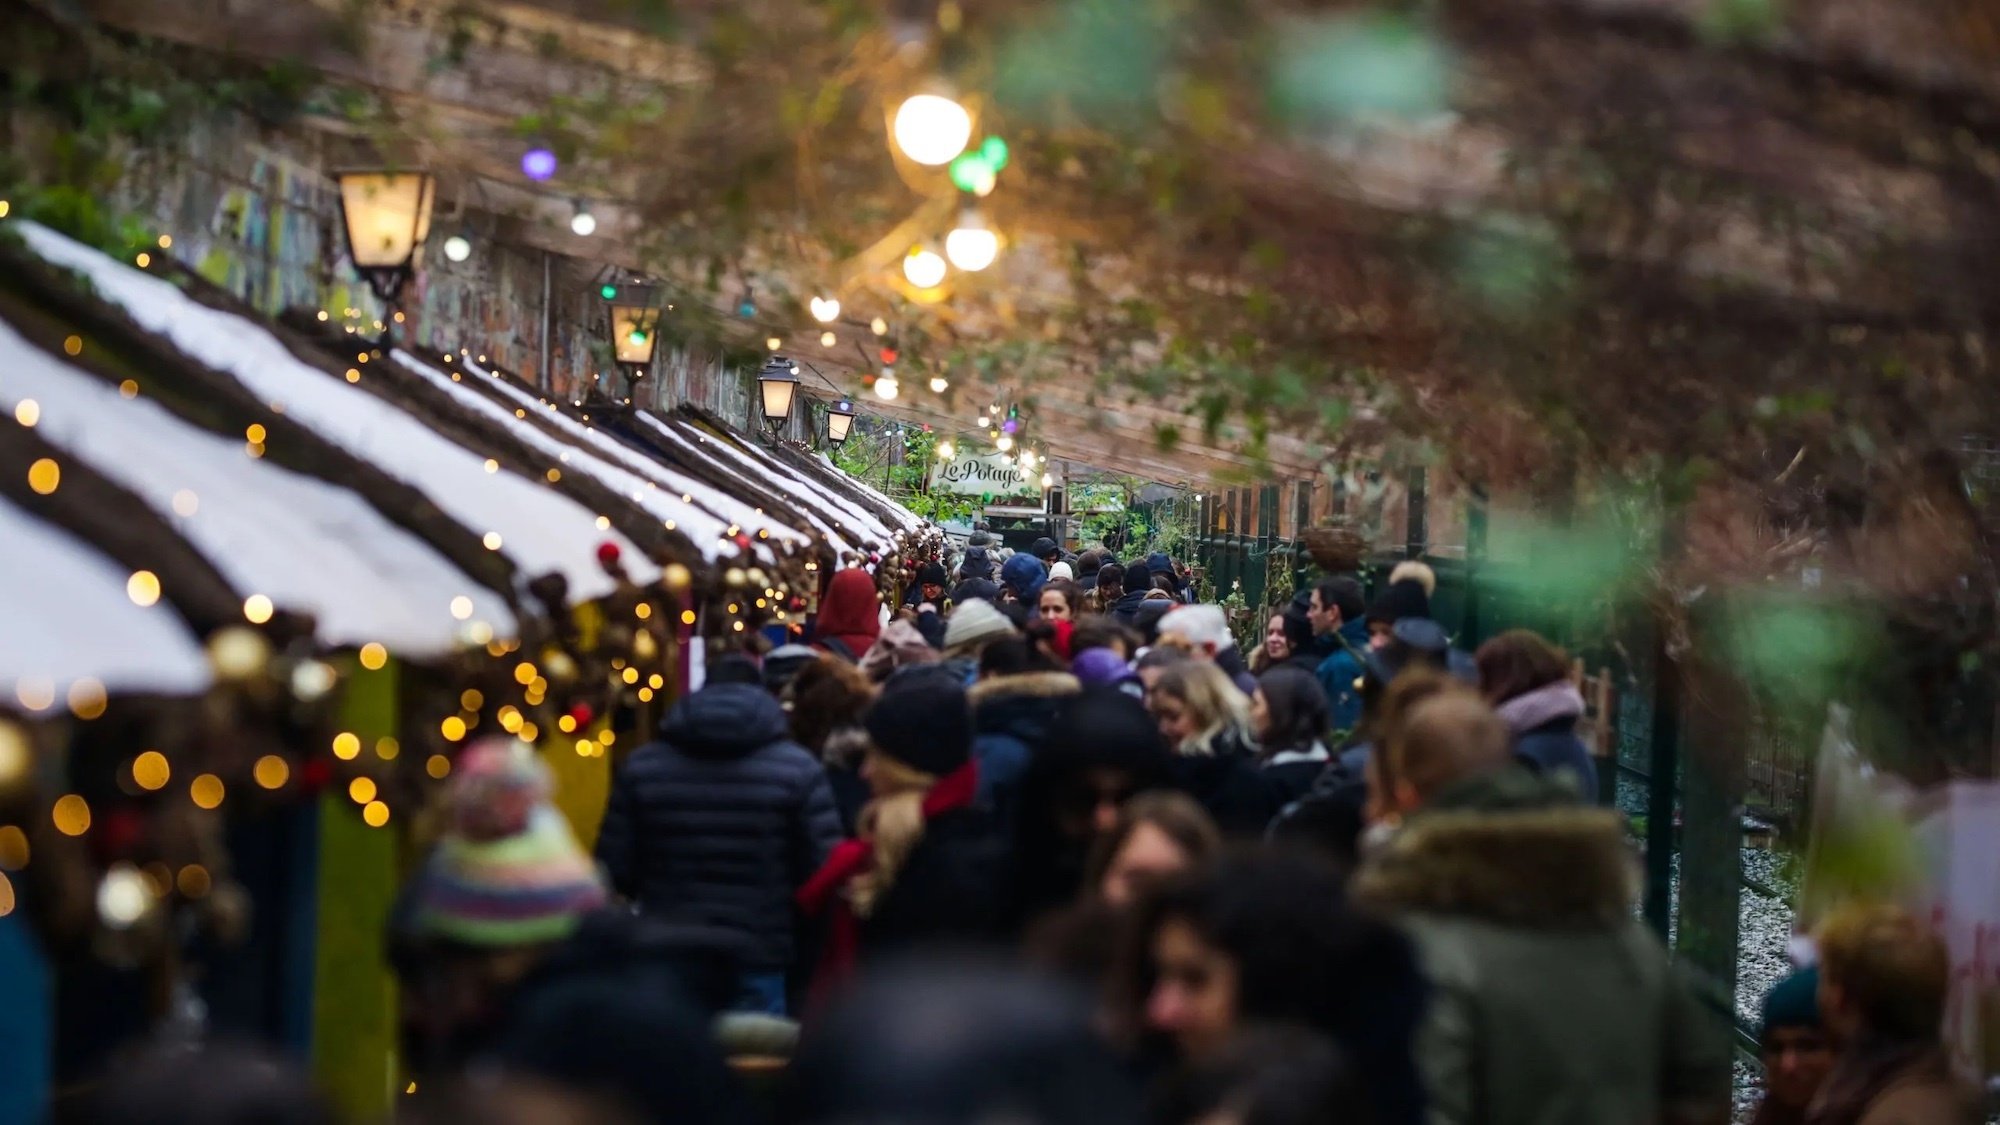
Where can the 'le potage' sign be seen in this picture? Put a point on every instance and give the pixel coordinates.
(981, 474)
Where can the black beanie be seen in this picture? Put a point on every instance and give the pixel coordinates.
(931, 574)
(1104, 727)
(1137, 577)
(1044, 548)
(922, 720)
(1400, 600)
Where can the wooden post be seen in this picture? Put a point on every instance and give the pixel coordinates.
(1419, 534)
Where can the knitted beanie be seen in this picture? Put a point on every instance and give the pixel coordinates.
(922, 720)
(508, 870)
(1793, 1001)
(1400, 600)
(1061, 570)
(974, 621)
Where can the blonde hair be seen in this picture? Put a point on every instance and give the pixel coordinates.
(1414, 571)
(1212, 701)
(893, 825)
(1888, 967)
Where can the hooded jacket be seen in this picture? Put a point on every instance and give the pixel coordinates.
(721, 820)
(1025, 575)
(1010, 716)
(1543, 723)
(1552, 1003)
(850, 613)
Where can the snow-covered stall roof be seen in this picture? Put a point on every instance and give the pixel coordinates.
(67, 621)
(536, 526)
(846, 527)
(690, 506)
(305, 544)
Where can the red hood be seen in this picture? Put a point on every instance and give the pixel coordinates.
(850, 611)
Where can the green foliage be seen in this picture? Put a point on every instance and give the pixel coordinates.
(899, 465)
(1371, 64)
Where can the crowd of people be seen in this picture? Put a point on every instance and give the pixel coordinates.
(1040, 844)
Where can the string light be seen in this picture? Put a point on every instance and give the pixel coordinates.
(71, 814)
(271, 771)
(374, 656)
(28, 412)
(207, 791)
(44, 476)
(879, 326)
(583, 224)
(151, 771)
(143, 587)
(375, 814)
(939, 384)
(346, 746)
(923, 267)
(930, 129)
(972, 246)
(257, 609)
(457, 249)
(825, 309)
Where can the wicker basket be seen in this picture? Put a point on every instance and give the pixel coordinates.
(1335, 547)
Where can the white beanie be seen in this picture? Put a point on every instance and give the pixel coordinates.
(975, 620)
(1061, 570)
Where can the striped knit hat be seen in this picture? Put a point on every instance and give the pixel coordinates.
(508, 871)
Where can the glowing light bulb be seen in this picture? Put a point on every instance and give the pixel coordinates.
(886, 388)
(828, 339)
(457, 248)
(939, 384)
(1004, 444)
(1047, 480)
(583, 223)
(923, 267)
(538, 164)
(972, 247)
(879, 326)
(825, 309)
(931, 128)
(946, 451)
(773, 343)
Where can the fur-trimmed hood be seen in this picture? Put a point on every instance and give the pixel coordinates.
(1039, 685)
(1508, 849)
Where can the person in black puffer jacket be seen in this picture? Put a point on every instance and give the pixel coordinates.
(718, 823)
(1018, 693)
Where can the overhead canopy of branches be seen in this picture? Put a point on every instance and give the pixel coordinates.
(1695, 240)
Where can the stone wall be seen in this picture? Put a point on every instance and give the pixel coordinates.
(254, 212)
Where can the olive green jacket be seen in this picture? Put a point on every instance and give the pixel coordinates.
(1552, 1004)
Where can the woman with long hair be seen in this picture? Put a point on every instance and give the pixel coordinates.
(1266, 937)
(1206, 720)
(1061, 600)
(1527, 680)
(1159, 835)
(1289, 718)
(927, 866)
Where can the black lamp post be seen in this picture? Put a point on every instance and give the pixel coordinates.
(839, 422)
(778, 383)
(387, 216)
(635, 338)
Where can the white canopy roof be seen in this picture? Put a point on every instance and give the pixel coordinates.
(704, 517)
(539, 528)
(306, 544)
(67, 621)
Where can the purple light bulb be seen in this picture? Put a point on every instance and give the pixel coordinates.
(1011, 426)
(538, 164)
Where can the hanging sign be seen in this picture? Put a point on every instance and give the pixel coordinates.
(972, 473)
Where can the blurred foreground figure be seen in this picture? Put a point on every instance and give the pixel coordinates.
(202, 1086)
(1882, 983)
(1265, 938)
(1553, 1003)
(510, 962)
(1795, 1049)
(1269, 1076)
(951, 1042)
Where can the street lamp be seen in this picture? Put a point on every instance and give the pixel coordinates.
(778, 382)
(387, 216)
(635, 338)
(839, 421)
